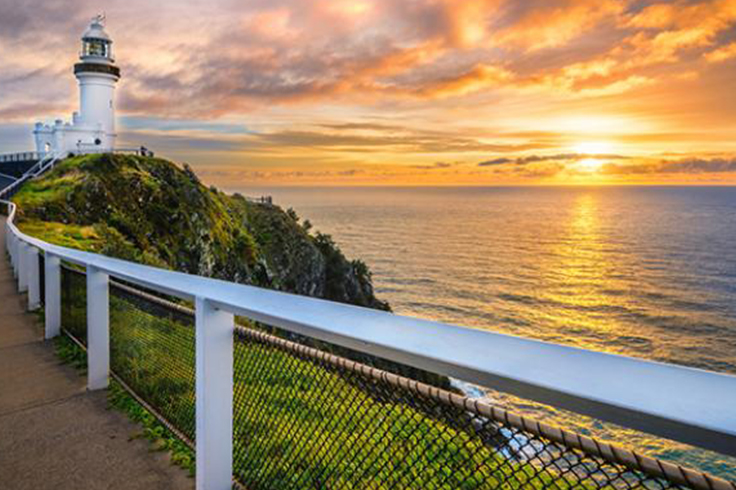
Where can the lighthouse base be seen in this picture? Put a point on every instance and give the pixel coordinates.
(62, 139)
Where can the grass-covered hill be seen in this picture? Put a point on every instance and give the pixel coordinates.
(151, 211)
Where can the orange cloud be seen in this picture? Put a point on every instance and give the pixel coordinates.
(468, 20)
(480, 77)
(681, 25)
(554, 23)
(722, 54)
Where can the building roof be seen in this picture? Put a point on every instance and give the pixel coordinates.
(96, 30)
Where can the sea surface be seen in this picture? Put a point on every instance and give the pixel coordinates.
(648, 272)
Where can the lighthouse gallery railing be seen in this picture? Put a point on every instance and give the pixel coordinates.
(277, 412)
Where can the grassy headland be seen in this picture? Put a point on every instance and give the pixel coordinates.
(151, 211)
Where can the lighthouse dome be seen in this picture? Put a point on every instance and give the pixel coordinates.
(96, 30)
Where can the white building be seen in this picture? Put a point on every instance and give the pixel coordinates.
(92, 129)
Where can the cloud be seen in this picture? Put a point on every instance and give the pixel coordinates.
(559, 157)
(668, 28)
(721, 54)
(326, 139)
(232, 58)
(480, 77)
(29, 110)
(540, 24)
(697, 166)
(414, 81)
(495, 161)
(683, 166)
(436, 165)
(158, 124)
(406, 141)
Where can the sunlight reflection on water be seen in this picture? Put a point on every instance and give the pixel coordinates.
(645, 272)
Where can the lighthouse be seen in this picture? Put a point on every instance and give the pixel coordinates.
(92, 128)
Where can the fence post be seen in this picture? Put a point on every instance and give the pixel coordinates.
(34, 279)
(52, 295)
(22, 267)
(214, 396)
(11, 250)
(8, 239)
(98, 328)
(16, 262)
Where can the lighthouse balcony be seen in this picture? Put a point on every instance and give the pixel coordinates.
(97, 68)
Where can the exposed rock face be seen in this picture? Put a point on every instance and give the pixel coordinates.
(149, 210)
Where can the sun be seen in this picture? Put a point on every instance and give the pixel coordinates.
(593, 148)
(591, 164)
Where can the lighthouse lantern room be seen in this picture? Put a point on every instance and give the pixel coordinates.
(92, 129)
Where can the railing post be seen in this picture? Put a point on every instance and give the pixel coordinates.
(22, 267)
(12, 251)
(52, 295)
(8, 238)
(214, 396)
(34, 279)
(98, 328)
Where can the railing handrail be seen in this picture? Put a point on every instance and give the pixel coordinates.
(7, 176)
(681, 403)
(19, 156)
(92, 150)
(40, 166)
(259, 199)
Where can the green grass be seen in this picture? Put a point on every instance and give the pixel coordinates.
(67, 235)
(159, 436)
(299, 424)
(53, 187)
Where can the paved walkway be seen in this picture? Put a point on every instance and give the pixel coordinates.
(53, 433)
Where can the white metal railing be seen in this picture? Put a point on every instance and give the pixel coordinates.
(45, 163)
(689, 405)
(25, 156)
(260, 199)
(21, 156)
(92, 150)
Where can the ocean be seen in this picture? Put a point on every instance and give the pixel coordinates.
(648, 272)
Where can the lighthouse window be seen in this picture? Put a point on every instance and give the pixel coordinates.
(95, 47)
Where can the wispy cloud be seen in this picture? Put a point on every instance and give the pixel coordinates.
(682, 166)
(559, 157)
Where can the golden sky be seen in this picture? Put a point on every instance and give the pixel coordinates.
(398, 92)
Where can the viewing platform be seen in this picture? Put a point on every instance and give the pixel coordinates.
(280, 391)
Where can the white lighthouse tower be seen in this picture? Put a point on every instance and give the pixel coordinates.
(92, 129)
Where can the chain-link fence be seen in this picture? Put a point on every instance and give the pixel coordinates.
(74, 303)
(151, 347)
(307, 419)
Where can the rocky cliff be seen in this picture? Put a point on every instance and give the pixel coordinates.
(149, 210)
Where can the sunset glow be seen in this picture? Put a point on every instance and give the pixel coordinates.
(396, 92)
(593, 148)
(591, 164)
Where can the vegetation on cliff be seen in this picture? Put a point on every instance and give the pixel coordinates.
(151, 211)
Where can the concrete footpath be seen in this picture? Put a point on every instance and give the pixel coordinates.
(53, 433)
